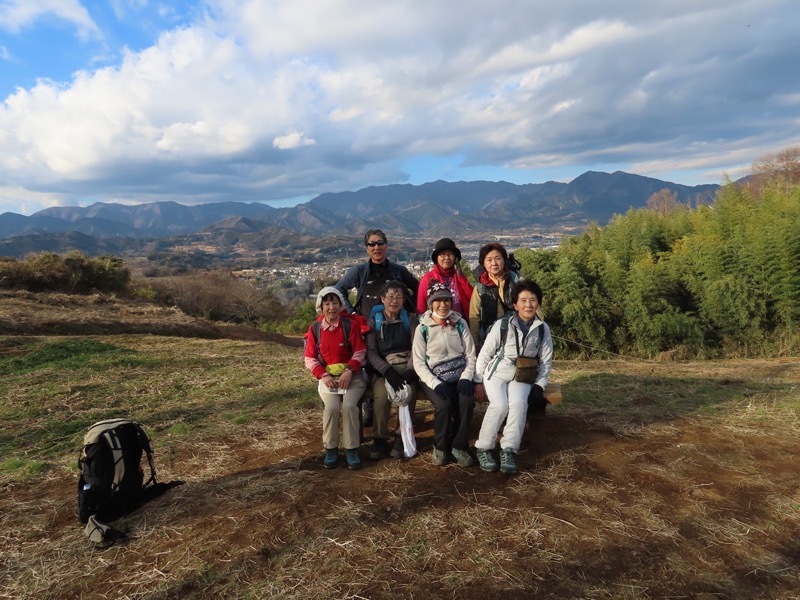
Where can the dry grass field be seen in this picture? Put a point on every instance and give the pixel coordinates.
(655, 480)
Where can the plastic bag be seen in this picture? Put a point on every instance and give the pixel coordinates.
(407, 431)
(399, 398)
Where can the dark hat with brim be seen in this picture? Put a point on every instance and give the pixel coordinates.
(445, 244)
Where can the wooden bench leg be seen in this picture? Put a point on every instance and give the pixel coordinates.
(537, 431)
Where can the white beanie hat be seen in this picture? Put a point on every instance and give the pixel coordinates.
(324, 292)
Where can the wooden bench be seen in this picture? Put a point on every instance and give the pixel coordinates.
(536, 425)
(537, 433)
(552, 393)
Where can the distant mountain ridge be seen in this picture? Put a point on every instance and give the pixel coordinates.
(430, 209)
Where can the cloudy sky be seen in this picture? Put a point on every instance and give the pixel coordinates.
(197, 101)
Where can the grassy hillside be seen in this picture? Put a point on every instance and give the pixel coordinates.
(657, 480)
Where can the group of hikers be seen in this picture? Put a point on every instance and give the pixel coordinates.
(456, 343)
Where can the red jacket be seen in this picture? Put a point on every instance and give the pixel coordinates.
(333, 348)
(460, 281)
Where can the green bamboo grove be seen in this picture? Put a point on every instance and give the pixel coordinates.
(721, 279)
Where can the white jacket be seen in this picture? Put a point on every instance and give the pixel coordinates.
(494, 364)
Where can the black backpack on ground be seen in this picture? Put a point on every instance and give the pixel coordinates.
(112, 481)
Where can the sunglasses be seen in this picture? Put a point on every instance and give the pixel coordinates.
(378, 243)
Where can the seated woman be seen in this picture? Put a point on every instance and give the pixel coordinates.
(389, 354)
(447, 270)
(508, 383)
(444, 359)
(335, 353)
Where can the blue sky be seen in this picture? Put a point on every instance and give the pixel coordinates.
(277, 101)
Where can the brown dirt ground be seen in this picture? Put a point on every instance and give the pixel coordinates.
(28, 313)
(271, 508)
(663, 511)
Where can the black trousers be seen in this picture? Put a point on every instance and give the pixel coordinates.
(451, 418)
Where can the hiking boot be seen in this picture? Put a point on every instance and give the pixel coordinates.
(331, 458)
(397, 448)
(486, 460)
(380, 449)
(438, 457)
(353, 458)
(366, 418)
(462, 457)
(508, 461)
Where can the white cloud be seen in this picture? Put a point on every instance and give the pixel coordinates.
(208, 111)
(16, 15)
(292, 140)
(24, 201)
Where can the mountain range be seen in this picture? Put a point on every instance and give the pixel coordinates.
(426, 210)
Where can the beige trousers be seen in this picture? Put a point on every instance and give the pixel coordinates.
(351, 428)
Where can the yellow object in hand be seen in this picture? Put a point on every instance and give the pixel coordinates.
(336, 369)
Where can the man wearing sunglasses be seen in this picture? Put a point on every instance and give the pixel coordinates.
(370, 278)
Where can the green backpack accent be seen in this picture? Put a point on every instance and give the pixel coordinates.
(424, 328)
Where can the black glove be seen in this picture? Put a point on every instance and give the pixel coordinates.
(444, 391)
(411, 377)
(537, 395)
(395, 379)
(465, 387)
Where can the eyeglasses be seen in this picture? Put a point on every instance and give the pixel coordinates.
(378, 243)
(393, 298)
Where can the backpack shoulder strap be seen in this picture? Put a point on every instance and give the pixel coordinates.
(423, 328)
(112, 439)
(315, 331)
(405, 319)
(539, 341)
(147, 446)
(346, 326)
(503, 324)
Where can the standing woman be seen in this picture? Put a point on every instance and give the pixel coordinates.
(447, 270)
(444, 359)
(491, 298)
(516, 340)
(335, 353)
(389, 355)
